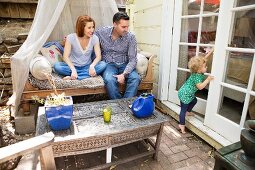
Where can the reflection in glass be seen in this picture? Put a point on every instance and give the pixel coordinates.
(238, 69)
(243, 35)
(251, 107)
(192, 7)
(185, 53)
(231, 106)
(204, 51)
(189, 30)
(244, 2)
(182, 76)
(211, 6)
(209, 26)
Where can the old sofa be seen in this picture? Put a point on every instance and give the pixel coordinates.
(95, 85)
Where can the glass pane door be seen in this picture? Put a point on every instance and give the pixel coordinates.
(232, 101)
(195, 27)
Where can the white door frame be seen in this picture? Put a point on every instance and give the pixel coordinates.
(165, 48)
(220, 124)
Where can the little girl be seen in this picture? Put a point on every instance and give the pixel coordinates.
(196, 81)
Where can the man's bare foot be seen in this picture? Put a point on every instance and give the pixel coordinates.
(182, 127)
(190, 114)
(67, 78)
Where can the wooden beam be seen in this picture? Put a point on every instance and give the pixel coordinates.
(47, 158)
(20, 1)
(25, 147)
(27, 95)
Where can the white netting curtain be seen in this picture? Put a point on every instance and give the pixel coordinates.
(53, 20)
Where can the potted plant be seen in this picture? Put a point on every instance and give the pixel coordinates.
(58, 108)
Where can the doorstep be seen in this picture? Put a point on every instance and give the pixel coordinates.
(195, 124)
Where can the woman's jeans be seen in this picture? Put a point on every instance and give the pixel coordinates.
(83, 72)
(132, 81)
(185, 108)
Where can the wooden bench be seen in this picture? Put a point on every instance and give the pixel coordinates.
(41, 143)
(29, 91)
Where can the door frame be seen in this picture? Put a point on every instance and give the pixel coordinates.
(224, 126)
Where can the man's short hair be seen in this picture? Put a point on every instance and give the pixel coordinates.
(120, 15)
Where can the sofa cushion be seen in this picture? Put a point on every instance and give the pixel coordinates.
(39, 66)
(142, 65)
(92, 82)
(52, 54)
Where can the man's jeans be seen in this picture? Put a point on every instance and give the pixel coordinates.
(83, 72)
(132, 81)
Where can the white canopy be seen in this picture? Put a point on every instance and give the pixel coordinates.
(53, 20)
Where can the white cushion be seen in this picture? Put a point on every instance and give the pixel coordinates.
(40, 66)
(142, 65)
(52, 54)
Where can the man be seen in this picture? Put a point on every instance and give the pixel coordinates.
(119, 50)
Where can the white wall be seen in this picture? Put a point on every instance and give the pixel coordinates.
(145, 22)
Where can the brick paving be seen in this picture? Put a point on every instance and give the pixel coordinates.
(177, 151)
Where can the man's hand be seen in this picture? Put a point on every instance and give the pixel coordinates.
(92, 71)
(120, 78)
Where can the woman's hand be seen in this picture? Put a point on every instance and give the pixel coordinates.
(92, 71)
(74, 75)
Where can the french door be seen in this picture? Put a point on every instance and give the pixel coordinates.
(195, 26)
(228, 28)
(231, 99)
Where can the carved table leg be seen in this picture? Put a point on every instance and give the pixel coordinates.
(155, 156)
(109, 155)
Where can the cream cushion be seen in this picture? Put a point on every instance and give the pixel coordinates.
(142, 65)
(40, 66)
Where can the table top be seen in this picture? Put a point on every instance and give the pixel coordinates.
(88, 120)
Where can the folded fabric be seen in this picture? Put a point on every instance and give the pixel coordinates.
(57, 44)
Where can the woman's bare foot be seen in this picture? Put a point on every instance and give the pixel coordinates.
(182, 127)
(190, 114)
(67, 78)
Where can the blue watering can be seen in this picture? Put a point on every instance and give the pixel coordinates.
(143, 106)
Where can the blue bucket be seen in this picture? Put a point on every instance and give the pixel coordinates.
(59, 117)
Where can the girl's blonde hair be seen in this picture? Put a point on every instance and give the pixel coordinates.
(195, 63)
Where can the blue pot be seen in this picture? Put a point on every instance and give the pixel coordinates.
(143, 106)
(59, 117)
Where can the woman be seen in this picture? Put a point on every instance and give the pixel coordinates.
(78, 51)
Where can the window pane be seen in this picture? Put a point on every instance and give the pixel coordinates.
(189, 30)
(251, 107)
(243, 34)
(244, 2)
(211, 6)
(232, 102)
(238, 69)
(182, 76)
(203, 51)
(191, 7)
(209, 26)
(185, 53)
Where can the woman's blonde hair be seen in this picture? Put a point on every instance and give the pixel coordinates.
(195, 63)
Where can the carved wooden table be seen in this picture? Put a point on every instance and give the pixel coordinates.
(89, 133)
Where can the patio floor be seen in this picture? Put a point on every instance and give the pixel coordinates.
(177, 151)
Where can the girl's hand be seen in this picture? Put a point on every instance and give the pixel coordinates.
(210, 77)
(92, 71)
(74, 75)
